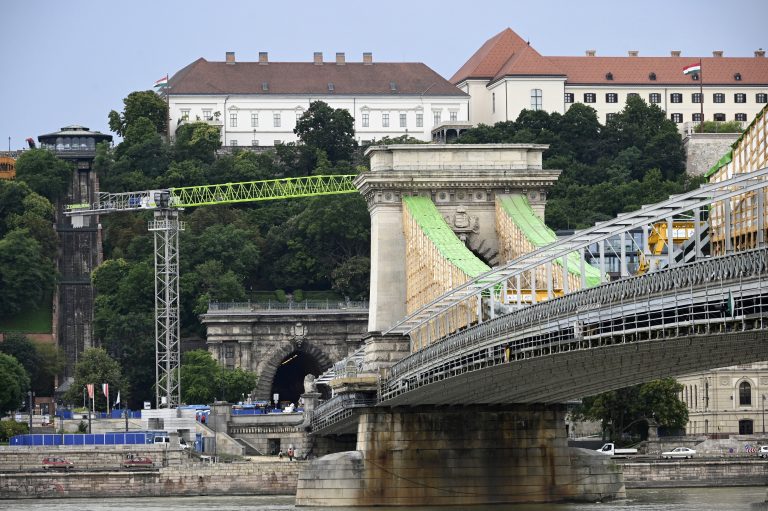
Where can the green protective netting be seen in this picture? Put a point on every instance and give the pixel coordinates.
(722, 162)
(448, 244)
(534, 229)
(728, 157)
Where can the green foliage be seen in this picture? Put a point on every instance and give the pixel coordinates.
(628, 410)
(44, 173)
(280, 295)
(14, 383)
(329, 129)
(298, 295)
(40, 361)
(140, 104)
(12, 428)
(26, 273)
(352, 277)
(720, 127)
(203, 380)
(198, 141)
(96, 366)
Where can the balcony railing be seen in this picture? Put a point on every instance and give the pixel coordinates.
(274, 305)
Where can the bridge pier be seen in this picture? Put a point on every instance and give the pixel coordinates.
(468, 455)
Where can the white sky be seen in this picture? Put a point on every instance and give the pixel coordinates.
(71, 62)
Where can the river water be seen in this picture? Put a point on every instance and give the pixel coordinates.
(668, 499)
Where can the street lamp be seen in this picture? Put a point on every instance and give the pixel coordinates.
(763, 413)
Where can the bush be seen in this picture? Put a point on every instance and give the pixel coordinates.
(11, 428)
(82, 427)
(280, 295)
(722, 127)
(298, 295)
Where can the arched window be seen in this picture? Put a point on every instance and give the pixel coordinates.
(745, 394)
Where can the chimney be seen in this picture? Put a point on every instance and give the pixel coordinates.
(230, 57)
(633, 53)
(318, 58)
(263, 58)
(675, 53)
(591, 53)
(760, 52)
(367, 58)
(717, 53)
(340, 60)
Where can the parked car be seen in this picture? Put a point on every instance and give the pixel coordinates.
(132, 460)
(57, 463)
(763, 451)
(679, 452)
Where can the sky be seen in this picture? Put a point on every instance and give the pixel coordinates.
(71, 62)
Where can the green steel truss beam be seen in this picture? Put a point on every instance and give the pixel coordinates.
(225, 193)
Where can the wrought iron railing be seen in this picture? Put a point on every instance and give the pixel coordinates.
(339, 408)
(274, 305)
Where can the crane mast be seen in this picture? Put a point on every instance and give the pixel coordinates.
(166, 204)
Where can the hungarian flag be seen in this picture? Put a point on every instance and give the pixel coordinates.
(105, 389)
(89, 386)
(693, 68)
(162, 82)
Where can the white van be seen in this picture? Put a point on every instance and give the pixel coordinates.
(165, 440)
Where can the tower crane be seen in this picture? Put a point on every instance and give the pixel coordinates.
(166, 203)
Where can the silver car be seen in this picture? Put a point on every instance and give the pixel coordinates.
(679, 452)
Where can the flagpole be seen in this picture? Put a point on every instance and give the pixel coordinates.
(701, 94)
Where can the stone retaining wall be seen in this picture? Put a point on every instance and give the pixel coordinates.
(102, 457)
(694, 473)
(243, 478)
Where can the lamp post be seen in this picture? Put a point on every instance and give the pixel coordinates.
(29, 395)
(763, 413)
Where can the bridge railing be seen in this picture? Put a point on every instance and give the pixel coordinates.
(717, 293)
(340, 407)
(274, 305)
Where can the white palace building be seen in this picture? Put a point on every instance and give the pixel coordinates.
(506, 75)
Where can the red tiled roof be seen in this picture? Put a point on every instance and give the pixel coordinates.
(668, 70)
(506, 54)
(203, 77)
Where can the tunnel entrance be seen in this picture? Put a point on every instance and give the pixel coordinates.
(289, 378)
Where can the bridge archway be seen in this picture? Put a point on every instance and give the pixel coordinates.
(285, 370)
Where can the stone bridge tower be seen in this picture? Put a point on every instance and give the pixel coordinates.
(463, 181)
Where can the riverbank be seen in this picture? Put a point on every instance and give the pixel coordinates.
(694, 473)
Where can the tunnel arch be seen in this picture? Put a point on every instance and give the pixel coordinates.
(308, 356)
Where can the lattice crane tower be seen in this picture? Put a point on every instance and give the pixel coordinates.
(166, 205)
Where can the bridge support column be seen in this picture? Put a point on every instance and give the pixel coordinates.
(383, 351)
(460, 456)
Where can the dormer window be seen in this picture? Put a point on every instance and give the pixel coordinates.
(609, 76)
(652, 77)
(695, 77)
(737, 77)
(331, 88)
(392, 86)
(265, 86)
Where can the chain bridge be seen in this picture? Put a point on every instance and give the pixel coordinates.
(457, 395)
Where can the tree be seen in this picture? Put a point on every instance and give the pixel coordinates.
(197, 140)
(22, 349)
(329, 129)
(236, 383)
(631, 408)
(96, 366)
(41, 361)
(146, 104)
(203, 380)
(44, 173)
(14, 383)
(26, 275)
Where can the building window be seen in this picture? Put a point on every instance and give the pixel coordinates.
(255, 143)
(740, 97)
(254, 120)
(436, 117)
(633, 95)
(569, 97)
(696, 97)
(590, 97)
(654, 97)
(403, 121)
(745, 394)
(535, 99)
(229, 351)
(298, 116)
(366, 120)
(233, 120)
(610, 117)
(611, 97)
(719, 117)
(207, 115)
(276, 120)
(676, 117)
(233, 142)
(419, 120)
(746, 427)
(741, 117)
(277, 142)
(385, 120)
(185, 115)
(493, 102)
(676, 98)
(761, 97)
(454, 116)
(697, 117)
(719, 97)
